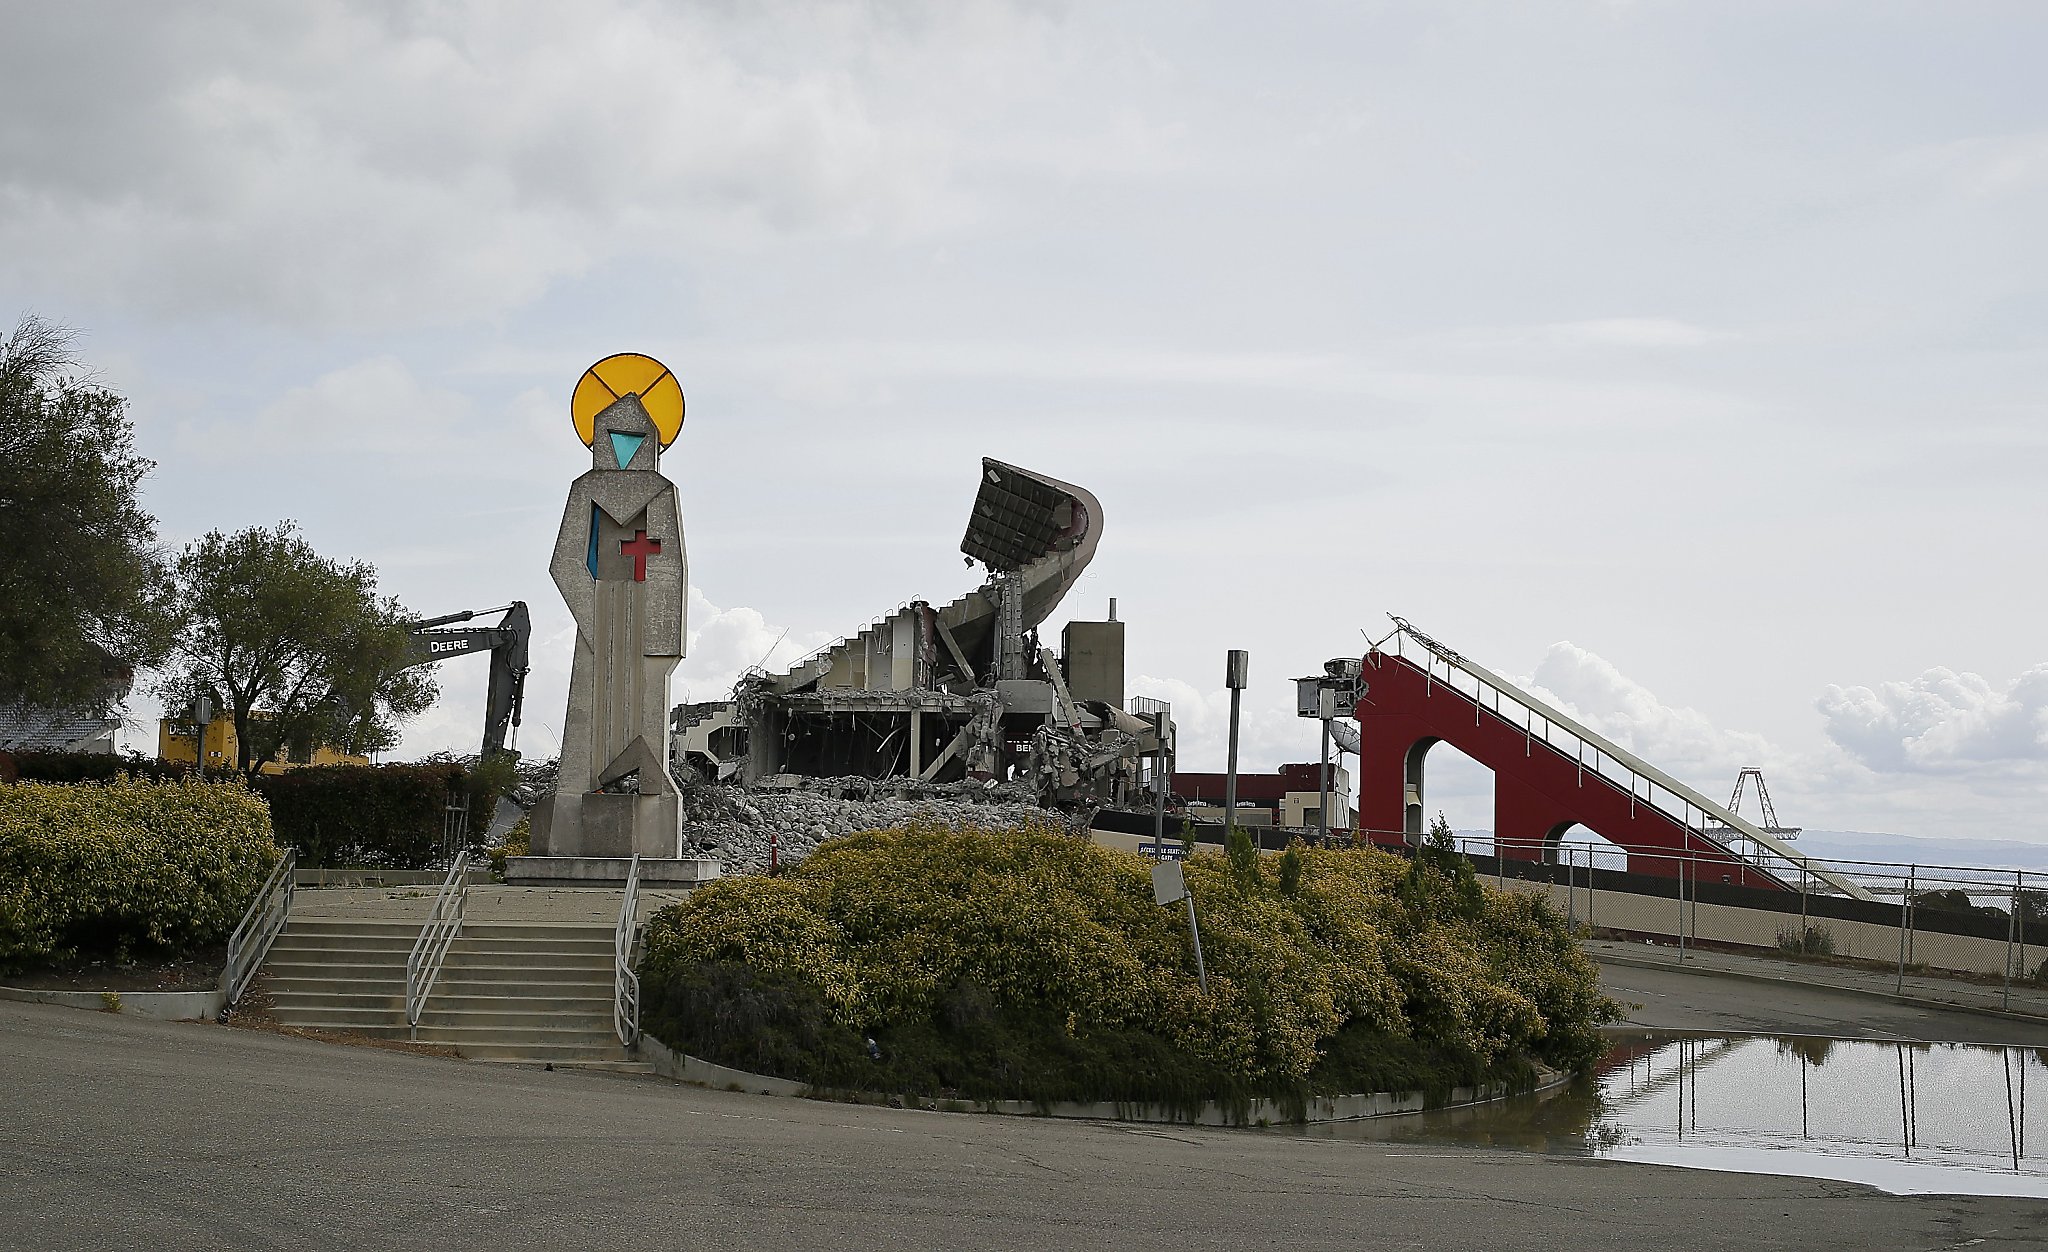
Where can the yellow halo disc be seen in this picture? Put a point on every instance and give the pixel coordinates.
(618, 376)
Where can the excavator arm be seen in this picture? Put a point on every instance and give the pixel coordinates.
(432, 641)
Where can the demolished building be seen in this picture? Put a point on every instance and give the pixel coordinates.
(959, 697)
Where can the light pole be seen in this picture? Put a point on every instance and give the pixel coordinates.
(1235, 666)
(1159, 784)
(1326, 708)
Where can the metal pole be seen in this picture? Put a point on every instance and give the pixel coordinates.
(1201, 970)
(1324, 811)
(1159, 780)
(1235, 667)
(2020, 877)
(1802, 906)
(2011, 923)
(1905, 922)
(1681, 910)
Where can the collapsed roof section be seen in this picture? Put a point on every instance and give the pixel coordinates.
(964, 692)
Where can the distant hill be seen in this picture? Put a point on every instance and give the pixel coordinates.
(1859, 845)
(1867, 846)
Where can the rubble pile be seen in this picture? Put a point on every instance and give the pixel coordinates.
(737, 825)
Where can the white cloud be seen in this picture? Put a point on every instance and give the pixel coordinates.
(1942, 722)
(725, 643)
(377, 407)
(1680, 741)
(350, 165)
(1631, 332)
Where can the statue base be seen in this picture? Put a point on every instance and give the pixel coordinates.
(656, 873)
(605, 824)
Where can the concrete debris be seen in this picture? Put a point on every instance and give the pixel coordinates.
(737, 825)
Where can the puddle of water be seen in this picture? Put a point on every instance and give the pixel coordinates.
(1908, 1118)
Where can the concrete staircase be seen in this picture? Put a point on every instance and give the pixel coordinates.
(527, 991)
(528, 977)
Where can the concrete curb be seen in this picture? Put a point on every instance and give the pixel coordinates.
(682, 1067)
(1920, 1002)
(163, 1006)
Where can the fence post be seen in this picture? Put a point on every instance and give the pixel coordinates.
(1905, 928)
(1681, 909)
(2012, 922)
(2019, 877)
(1803, 925)
(1589, 889)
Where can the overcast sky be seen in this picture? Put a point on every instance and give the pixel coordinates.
(1684, 358)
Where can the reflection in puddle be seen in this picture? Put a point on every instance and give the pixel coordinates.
(1903, 1117)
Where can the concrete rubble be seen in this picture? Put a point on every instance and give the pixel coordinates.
(738, 825)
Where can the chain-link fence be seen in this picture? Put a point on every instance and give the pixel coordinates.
(1955, 919)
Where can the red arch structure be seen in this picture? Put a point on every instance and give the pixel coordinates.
(1541, 789)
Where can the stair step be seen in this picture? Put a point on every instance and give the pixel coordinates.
(386, 1026)
(548, 931)
(607, 1050)
(548, 992)
(519, 1036)
(334, 970)
(294, 999)
(600, 949)
(338, 1015)
(531, 971)
(331, 948)
(391, 984)
(606, 1067)
(515, 1020)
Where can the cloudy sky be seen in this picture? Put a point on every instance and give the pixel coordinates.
(1685, 359)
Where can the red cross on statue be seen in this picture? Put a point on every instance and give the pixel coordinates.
(639, 547)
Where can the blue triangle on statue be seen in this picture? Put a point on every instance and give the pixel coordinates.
(625, 447)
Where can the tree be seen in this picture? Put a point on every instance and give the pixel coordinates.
(299, 650)
(83, 606)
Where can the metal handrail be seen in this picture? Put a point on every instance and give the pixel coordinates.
(261, 922)
(626, 983)
(1679, 802)
(423, 964)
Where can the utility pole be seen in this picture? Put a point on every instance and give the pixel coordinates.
(1236, 664)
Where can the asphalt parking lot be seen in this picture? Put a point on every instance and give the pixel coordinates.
(124, 1133)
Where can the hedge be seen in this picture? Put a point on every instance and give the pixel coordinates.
(1033, 964)
(72, 767)
(126, 869)
(390, 816)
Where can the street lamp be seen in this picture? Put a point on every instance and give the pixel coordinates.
(1236, 665)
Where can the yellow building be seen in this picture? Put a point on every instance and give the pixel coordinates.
(174, 743)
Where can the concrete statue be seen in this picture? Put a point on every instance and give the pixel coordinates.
(620, 565)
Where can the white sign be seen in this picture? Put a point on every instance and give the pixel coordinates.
(1168, 884)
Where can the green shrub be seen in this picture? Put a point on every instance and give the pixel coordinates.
(1811, 941)
(71, 767)
(388, 816)
(128, 868)
(518, 842)
(1031, 964)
